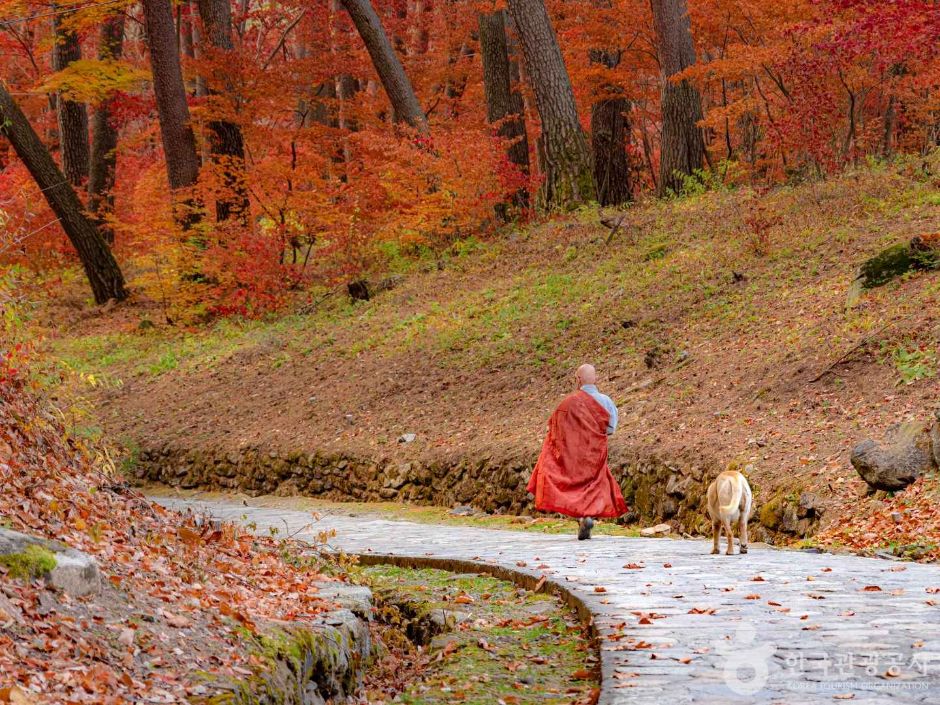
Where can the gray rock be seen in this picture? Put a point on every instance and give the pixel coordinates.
(903, 456)
(654, 530)
(355, 598)
(407, 437)
(462, 511)
(75, 572)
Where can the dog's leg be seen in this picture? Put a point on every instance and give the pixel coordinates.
(742, 530)
(716, 534)
(727, 525)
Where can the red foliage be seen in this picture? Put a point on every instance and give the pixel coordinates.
(795, 87)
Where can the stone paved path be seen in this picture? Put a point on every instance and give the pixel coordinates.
(688, 627)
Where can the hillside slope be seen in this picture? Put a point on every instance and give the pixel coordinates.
(713, 321)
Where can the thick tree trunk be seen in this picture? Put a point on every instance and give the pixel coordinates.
(226, 142)
(610, 135)
(71, 116)
(683, 145)
(179, 142)
(102, 269)
(105, 134)
(563, 152)
(405, 105)
(503, 103)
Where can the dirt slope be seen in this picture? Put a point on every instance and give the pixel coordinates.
(712, 320)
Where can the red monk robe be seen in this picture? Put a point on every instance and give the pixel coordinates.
(571, 476)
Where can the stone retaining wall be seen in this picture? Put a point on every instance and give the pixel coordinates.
(656, 489)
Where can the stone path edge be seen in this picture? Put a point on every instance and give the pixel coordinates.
(529, 580)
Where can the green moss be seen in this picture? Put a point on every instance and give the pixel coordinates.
(32, 562)
(771, 514)
(519, 646)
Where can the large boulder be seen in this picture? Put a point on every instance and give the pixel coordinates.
(903, 456)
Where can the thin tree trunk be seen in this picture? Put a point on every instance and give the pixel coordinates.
(71, 116)
(405, 105)
(101, 268)
(610, 135)
(683, 144)
(563, 151)
(226, 142)
(503, 103)
(179, 142)
(105, 133)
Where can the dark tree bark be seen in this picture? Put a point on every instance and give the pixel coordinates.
(563, 152)
(179, 142)
(105, 134)
(101, 268)
(503, 103)
(226, 143)
(683, 144)
(71, 116)
(405, 105)
(610, 135)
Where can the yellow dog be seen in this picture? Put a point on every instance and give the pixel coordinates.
(729, 501)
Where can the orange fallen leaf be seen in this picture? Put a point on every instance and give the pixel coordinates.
(600, 589)
(871, 588)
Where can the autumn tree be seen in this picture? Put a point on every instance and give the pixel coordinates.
(226, 142)
(564, 157)
(503, 101)
(179, 142)
(405, 105)
(683, 145)
(72, 116)
(104, 132)
(101, 268)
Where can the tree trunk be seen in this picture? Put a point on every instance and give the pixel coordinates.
(683, 145)
(563, 152)
(179, 142)
(105, 134)
(503, 103)
(226, 143)
(405, 105)
(71, 116)
(610, 135)
(102, 269)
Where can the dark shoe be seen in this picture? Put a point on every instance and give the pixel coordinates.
(584, 528)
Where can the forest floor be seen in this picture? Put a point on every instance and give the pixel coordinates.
(721, 323)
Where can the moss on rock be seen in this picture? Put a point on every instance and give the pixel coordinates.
(32, 562)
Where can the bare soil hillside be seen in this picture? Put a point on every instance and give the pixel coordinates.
(719, 323)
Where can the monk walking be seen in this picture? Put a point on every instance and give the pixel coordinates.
(571, 476)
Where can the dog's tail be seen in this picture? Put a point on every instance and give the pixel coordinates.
(736, 490)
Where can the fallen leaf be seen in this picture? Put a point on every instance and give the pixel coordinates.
(583, 675)
(126, 637)
(752, 596)
(844, 696)
(600, 589)
(871, 588)
(176, 620)
(634, 566)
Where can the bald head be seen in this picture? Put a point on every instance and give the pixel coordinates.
(586, 374)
